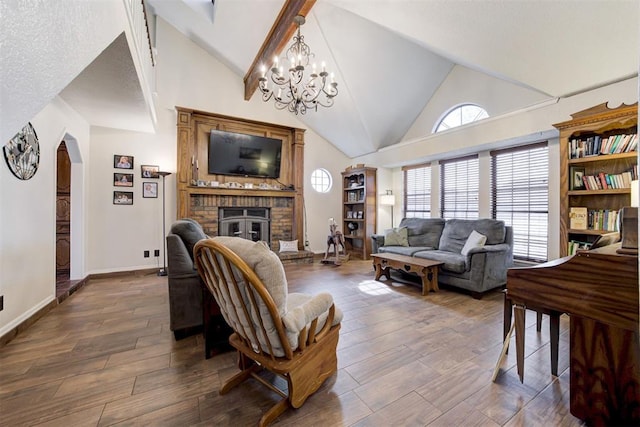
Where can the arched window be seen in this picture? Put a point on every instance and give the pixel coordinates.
(461, 115)
(321, 180)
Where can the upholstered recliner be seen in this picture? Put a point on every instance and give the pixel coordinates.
(290, 334)
(190, 303)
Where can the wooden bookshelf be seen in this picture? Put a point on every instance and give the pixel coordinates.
(359, 209)
(594, 125)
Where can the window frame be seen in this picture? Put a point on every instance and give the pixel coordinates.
(451, 110)
(471, 187)
(312, 178)
(426, 196)
(530, 245)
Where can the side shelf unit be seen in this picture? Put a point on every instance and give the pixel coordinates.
(590, 147)
(359, 209)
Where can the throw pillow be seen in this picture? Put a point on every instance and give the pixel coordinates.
(291, 246)
(396, 237)
(475, 240)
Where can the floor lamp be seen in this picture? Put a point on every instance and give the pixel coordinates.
(388, 200)
(163, 270)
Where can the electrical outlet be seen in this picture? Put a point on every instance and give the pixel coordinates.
(156, 252)
(1, 302)
(146, 254)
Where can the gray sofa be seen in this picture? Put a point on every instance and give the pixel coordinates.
(483, 268)
(192, 308)
(185, 286)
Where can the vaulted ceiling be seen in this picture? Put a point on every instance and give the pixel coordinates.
(390, 57)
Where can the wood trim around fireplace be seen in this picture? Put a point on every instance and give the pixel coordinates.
(193, 128)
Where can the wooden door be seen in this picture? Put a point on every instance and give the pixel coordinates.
(63, 213)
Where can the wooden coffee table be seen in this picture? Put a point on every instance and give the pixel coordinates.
(426, 269)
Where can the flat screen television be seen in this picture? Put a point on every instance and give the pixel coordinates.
(244, 155)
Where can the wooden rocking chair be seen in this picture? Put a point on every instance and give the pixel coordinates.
(292, 335)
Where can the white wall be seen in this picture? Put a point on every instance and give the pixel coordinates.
(464, 86)
(28, 214)
(120, 233)
(319, 207)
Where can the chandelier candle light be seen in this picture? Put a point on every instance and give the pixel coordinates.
(294, 92)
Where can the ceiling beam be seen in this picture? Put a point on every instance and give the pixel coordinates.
(281, 33)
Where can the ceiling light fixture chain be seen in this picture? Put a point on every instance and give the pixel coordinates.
(293, 92)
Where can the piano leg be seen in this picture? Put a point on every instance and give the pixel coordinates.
(554, 332)
(506, 322)
(519, 315)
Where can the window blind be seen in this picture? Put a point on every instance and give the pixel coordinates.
(417, 191)
(520, 197)
(459, 188)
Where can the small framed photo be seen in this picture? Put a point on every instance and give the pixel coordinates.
(349, 214)
(150, 190)
(123, 179)
(575, 178)
(123, 197)
(122, 162)
(150, 171)
(360, 215)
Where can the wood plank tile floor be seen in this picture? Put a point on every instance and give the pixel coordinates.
(106, 356)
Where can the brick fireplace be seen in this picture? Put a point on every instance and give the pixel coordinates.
(206, 209)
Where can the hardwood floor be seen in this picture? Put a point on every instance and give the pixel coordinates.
(106, 356)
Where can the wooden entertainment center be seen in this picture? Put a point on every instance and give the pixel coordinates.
(200, 195)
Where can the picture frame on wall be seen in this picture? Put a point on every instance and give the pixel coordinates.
(150, 171)
(123, 197)
(123, 179)
(575, 178)
(150, 190)
(122, 161)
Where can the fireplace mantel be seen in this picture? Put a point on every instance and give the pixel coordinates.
(240, 192)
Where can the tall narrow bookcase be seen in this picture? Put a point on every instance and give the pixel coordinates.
(359, 209)
(598, 158)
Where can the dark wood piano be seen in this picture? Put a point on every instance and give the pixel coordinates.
(599, 291)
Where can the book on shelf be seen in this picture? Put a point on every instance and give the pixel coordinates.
(581, 218)
(605, 181)
(602, 219)
(578, 218)
(597, 145)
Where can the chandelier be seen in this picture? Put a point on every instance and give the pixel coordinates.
(293, 90)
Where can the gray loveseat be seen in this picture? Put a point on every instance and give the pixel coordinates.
(482, 268)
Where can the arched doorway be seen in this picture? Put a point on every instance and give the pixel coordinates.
(70, 244)
(63, 218)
